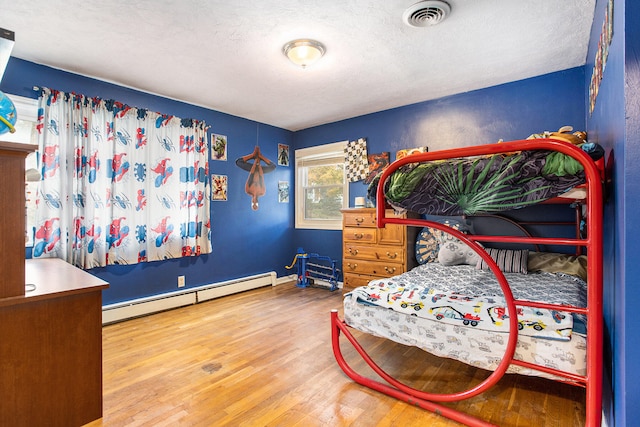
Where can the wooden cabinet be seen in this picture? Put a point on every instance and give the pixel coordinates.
(370, 253)
(51, 348)
(12, 217)
(50, 335)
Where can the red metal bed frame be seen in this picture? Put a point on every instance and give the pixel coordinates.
(592, 381)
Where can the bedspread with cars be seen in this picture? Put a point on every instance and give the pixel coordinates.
(480, 304)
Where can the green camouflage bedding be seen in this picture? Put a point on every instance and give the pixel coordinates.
(470, 186)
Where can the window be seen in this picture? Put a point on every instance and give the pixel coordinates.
(26, 133)
(321, 186)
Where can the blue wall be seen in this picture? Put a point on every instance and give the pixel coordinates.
(507, 112)
(244, 241)
(615, 123)
(629, 367)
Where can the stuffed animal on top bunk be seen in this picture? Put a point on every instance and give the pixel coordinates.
(565, 133)
(578, 138)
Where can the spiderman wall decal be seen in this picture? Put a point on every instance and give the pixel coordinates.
(255, 182)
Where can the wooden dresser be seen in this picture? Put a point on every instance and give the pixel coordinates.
(369, 252)
(50, 322)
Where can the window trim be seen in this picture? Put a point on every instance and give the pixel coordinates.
(318, 152)
(26, 108)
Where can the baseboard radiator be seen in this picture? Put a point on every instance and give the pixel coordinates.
(140, 307)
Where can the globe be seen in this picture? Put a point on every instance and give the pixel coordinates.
(8, 115)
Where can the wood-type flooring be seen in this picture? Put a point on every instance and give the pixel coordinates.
(264, 358)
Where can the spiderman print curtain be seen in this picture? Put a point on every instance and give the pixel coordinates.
(119, 185)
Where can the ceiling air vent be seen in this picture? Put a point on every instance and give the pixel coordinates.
(426, 13)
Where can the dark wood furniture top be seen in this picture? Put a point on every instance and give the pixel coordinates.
(51, 348)
(53, 278)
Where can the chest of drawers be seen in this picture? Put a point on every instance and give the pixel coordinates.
(370, 253)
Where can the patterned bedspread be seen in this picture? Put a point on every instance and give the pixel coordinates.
(470, 186)
(466, 297)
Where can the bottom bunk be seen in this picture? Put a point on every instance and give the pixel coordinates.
(515, 401)
(457, 312)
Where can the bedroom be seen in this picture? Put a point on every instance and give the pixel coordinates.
(270, 230)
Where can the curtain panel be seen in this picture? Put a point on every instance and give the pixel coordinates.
(119, 185)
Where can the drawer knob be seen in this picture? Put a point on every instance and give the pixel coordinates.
(390, 270)
(390, 256)
(352, 266)
(353, 251)
(358, 235)
(359, 220)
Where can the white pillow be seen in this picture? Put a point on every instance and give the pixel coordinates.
(455, 252)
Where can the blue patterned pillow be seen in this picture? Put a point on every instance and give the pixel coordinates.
(428, 245)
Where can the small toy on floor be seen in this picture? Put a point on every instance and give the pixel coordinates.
(321, 270)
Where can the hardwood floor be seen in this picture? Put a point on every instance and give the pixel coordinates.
(264, 358)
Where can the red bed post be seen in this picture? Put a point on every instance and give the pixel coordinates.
(338, 326)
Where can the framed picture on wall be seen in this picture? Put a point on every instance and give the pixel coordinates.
(283, 155)
(283, 191)
(219, 185)
(218, 147)
(377, 163)
(409, 151)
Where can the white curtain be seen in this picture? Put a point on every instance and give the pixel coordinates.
(119, 185)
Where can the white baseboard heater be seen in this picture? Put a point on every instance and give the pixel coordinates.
(139, 307)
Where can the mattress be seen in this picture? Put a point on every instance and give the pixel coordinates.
(450, 311)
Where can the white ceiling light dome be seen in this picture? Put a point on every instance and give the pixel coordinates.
(303, 52)
(426, 13)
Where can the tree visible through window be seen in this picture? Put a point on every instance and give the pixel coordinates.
(323, 192)
(321, 187)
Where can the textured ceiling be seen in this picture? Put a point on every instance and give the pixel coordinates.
(227, 55)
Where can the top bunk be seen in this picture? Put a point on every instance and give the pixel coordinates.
(491, 178)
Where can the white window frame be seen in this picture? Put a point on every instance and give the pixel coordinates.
(328, 152)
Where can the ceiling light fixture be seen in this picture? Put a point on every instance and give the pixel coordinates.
(303, 52)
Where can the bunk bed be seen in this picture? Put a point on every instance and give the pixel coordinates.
(557, 330)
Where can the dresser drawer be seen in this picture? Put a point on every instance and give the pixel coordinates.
(374, 252)
(360, 218)
(355, 234)
(381, 269)
(392, 234)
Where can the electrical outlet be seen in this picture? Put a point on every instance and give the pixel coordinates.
(180, 281)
